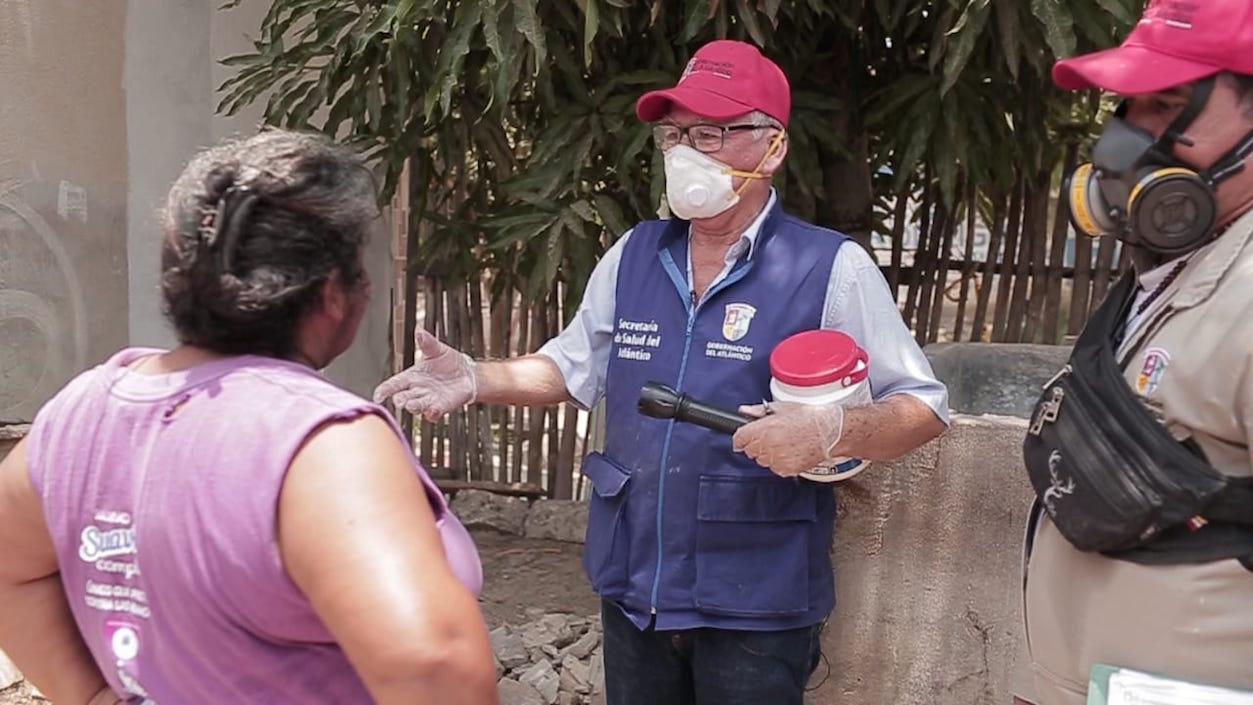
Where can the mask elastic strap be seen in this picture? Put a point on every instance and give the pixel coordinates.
(1174, 133)
(756, 172)
(1231, 163)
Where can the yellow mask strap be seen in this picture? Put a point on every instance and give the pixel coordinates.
(756, 172)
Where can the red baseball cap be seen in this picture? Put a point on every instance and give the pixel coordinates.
(724, 79)
(1175, 42)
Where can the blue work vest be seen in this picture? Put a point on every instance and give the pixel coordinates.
(680, 525)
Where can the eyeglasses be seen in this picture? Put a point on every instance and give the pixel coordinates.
(702, 137)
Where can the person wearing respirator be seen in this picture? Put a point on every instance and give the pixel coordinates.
(713, 564)
(1156, 573)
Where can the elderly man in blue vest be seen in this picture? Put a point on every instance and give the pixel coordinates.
(711, 557)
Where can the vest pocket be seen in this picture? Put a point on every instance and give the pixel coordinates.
(605, 548)
(752, 546)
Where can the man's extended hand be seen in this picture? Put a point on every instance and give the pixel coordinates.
(792, 438)
(441, 380)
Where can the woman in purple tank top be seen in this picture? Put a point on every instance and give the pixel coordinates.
(219, 522)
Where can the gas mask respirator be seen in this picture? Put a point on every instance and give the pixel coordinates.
(1137, 190)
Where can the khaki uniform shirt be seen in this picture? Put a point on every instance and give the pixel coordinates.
(1191, 360)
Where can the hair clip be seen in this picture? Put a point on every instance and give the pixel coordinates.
(221, 225)
(233, 210)
(206, 232)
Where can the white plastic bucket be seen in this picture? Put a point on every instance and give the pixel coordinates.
(822, 367)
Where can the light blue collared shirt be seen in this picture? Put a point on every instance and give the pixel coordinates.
(858, 302)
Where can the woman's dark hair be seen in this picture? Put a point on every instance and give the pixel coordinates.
(253, 227)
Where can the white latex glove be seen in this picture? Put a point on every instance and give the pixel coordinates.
(440, 381)
(792, 438)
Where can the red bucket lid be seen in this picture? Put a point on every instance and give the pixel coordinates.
(814, 357)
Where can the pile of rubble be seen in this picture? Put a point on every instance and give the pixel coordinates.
(557, 659)
(553, 519)
(9, 674)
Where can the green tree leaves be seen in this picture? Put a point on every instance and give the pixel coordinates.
(519, 114)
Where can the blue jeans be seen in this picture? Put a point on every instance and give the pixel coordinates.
(705, 666)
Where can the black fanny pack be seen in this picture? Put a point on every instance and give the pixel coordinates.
(1108, 473)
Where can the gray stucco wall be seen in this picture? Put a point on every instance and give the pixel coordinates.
(103, 104)
(928, 553)
(63, 181)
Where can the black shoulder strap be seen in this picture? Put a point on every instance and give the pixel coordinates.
(1105, 327)
(1099, 339)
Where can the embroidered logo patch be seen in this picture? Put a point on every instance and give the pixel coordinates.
(1155, 362)
(721, 69)
(735, 321)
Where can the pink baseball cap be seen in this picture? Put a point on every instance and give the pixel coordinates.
(724, 79)
(1175, 42)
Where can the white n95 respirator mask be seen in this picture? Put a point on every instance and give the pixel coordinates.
(699, 186)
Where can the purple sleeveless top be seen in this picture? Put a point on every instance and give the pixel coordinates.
(161, 494)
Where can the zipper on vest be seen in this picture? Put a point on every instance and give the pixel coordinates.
(665, 456)
(665, 446)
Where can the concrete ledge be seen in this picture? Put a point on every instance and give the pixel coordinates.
(928, 573)
(995, 378)
(10, 435)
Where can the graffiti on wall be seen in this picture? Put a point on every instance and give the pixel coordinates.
(43, 330)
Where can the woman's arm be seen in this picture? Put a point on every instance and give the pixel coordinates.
(358, 537)
(37, 630)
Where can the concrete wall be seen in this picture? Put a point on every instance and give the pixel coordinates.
(928, 574)
(103, 104)
(63, 181)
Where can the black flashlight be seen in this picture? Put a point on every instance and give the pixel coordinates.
(663, 402)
